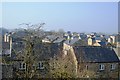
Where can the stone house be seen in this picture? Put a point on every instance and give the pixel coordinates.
(91, 41)
(50, 60)
(112, 39)
(96, 62)
(46, 59)
(97, 41)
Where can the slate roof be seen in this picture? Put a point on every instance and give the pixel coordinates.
(47, 51)
(83, 36)
(58, 40)
(5, 48)
(99, 38)
(71, 42)
(51, 37)
(103, 43)
(43, 51)
(95, 54)
(5, 45)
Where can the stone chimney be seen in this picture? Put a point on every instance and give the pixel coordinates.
(5, 37)
(10, 45)
(8, 38)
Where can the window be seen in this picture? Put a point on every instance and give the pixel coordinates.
(86, 67)
(101, 67)
(40, 65)
(22, 65)
(113, 66)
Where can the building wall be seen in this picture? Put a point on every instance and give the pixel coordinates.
(113, 39)
(90, 41)
(7, 71)
(96, 44)
(68, 50)
(66, 63)
(92, 71)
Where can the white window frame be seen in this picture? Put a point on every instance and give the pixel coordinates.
(40, 65)
(22, 65)
(113, 66)
(101, 67)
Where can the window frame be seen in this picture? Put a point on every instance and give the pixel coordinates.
(112, 66)
(101, 67)
(22, 65)
(41, 65)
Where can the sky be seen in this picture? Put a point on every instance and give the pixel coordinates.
(70, 16)
(60, 0)
(119, 17)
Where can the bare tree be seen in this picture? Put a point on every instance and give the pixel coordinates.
(33, 37)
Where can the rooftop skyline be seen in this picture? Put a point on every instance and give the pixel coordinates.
(70, 16)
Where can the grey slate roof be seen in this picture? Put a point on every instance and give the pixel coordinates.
(95, 54)
(98, 38)
(5, 45)
(47, 51)
(58, 40)
(51, 37)
(44, 51)
(71, 42)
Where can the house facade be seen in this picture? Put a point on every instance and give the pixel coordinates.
(97, 62)
(48, 58)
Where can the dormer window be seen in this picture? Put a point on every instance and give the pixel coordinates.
(40, 65)
(101, 67)
(22, 65)
(113, 66)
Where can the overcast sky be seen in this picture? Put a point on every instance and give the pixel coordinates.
(70, 16)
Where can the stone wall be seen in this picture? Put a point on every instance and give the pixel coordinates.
(91, 70)
(7, 71)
